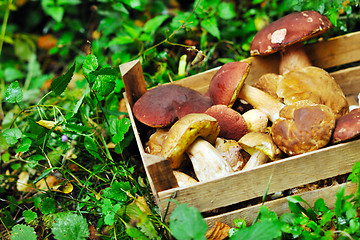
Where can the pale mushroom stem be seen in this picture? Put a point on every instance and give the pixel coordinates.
(262, 101)
(207, 161)
(292, 58)
(257, 158)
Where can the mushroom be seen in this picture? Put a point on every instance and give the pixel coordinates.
(303, 127)
(183, 179)
(256, 120)
(195, 134)
(313, 84)
(232, 152)
(228, 84)
(347, 127)
(156, 140)
(232, 124)
(268, 83)
(287, 35)
(261, 148)
(163, 105)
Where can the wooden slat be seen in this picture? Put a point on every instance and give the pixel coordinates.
(284, 174)
(134, 82)
(281, 206)
(349, 80)
(336, 51)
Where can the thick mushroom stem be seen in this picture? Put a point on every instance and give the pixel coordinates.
(262, 101)
(257, 158)
(207, 161)
(293, 57)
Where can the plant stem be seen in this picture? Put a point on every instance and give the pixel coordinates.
(3, 29)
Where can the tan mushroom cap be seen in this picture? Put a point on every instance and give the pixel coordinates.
(313, 84)
(293, 28)
(268, 83)
(303, 127)
(232, 124)
(163, 105)
(260, 141)
(230, 150)
(184, 132)
(227, 82)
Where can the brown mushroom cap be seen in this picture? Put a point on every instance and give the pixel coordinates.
(293, 28)
(184, 132)
(232, 124)
(268, 83)
(227, 82)
(314, 84)
(303, 127)
(347, 127)
(163, 105)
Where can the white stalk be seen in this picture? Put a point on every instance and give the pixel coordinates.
(257, 158)
(207, 161)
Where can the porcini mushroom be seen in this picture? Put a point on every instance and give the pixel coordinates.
(347, 127)
(156, 140)
(256, 120)
(232, 152)
(195, 134)
(183, 179)
(163, 105)
(313, 84)
(261, 148)
(303, 127)
(228, 84)
(232, 124)
(287, 35)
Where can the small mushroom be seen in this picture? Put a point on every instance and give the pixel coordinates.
(287, 35)
(347, 127)
(156, 141)
(231, 151)
(256, 120)
(195, 134)
(303, 127)
(261, 148)
(163, 105)
(232, 124)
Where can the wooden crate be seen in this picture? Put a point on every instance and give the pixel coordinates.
(290, 172)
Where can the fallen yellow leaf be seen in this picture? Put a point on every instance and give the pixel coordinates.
(50, 125)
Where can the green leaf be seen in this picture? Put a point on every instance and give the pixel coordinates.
(91, 147)
(90, 64)
(153, 24)
(29, 215)
(47, 206)
(105, 80)
(11, 74)
(59, 84)
(266, 230)
(187, 223)
(13, 93)
(117, 191)
(25, 145)
(118, 128)
(53, 10)
(210, 25)
(226, 10)
(12, 135)
(22, 232)
(69, 226)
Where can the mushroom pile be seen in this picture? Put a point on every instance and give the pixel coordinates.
(298, 110)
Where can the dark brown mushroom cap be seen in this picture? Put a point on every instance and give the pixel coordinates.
(303, 127)
(163, 105)
(313, 84)
(232, 124)
(293, 28)
(227, 82)
(347, 127)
